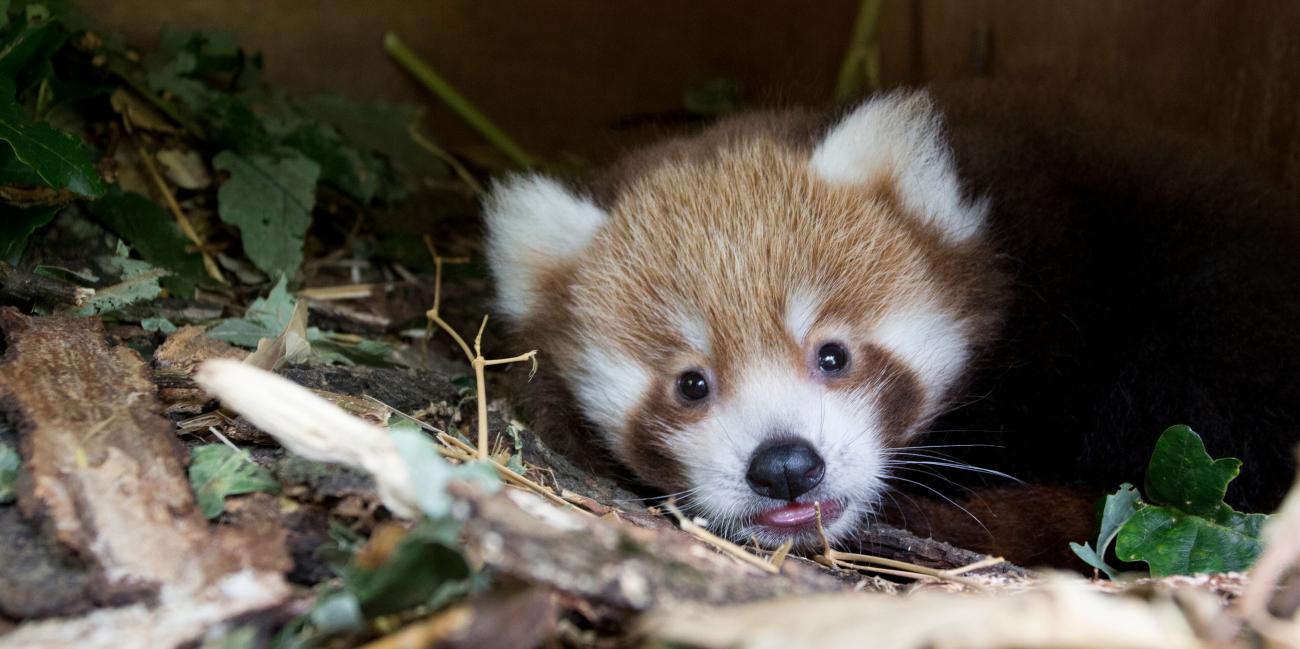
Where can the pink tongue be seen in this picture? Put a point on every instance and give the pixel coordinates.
(792, 515)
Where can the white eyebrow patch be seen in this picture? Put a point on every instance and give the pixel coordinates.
(610, 386)
(929, 340)
(692, 328)
(801, 313)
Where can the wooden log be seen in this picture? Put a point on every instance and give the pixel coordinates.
(612, 563)
(104, 471)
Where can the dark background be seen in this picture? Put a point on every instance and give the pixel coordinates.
(561, 74)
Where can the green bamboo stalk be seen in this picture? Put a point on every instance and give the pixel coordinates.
(860, 70)
(455, 101)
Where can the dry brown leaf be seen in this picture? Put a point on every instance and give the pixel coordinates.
(290, 346)
(184, 168)
(140, 113)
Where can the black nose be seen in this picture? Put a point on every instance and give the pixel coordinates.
(785, 470)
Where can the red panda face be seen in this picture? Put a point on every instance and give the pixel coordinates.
(757, 328)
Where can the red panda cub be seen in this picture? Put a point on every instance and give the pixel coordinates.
(792, 311)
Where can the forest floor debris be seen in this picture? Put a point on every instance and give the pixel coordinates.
(196, 218)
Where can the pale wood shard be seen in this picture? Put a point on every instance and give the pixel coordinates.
(178, 619)
(1064, 613)
(104, 469)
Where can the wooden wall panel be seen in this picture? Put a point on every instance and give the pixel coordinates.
(1225, 70)
(560, 73)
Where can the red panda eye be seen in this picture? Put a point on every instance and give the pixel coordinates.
(832, 357)
(692, 386)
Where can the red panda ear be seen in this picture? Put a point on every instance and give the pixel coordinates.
(534, 224)
(899, 138)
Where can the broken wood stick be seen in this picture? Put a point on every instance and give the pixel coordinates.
(20, 284)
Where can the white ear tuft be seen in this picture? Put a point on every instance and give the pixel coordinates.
(533, 225)
(900, 136)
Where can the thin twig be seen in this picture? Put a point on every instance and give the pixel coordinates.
(778, 557)
(454, 448)
(475, 357)
(719, 542)
(342, 292)
(480, 384)
(187, 228)
(468, 452)
(821, 531)
(986, 562)
(855, 560)
(451, 161)
(847, 565)
(850, 560)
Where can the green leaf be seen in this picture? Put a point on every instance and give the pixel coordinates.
(207, 51)
(17, 224)
(152, 232)
(217, 471)
(10, 464)
(160, 325)
(516, 461)
(1182, 475)
(230, 122)
(139, 282)
(34, 40)
(59, 158)
(172, 78)
(1189, 529)
(379, 125)
(1119, 508)
(265, 318)
(351, 170)
(326, 348)
(241, 637)
(270, 201)
(1173, 542)
(14, 171)
(337, 612)
(185, 61)
(426, 569)
(430, 472)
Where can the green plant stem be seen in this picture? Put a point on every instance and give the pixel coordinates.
(860, 70)
(455, 101)
(440, 153)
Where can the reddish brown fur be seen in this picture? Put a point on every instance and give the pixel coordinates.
(1119, 285)
(1029, 525)
(718, 206)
